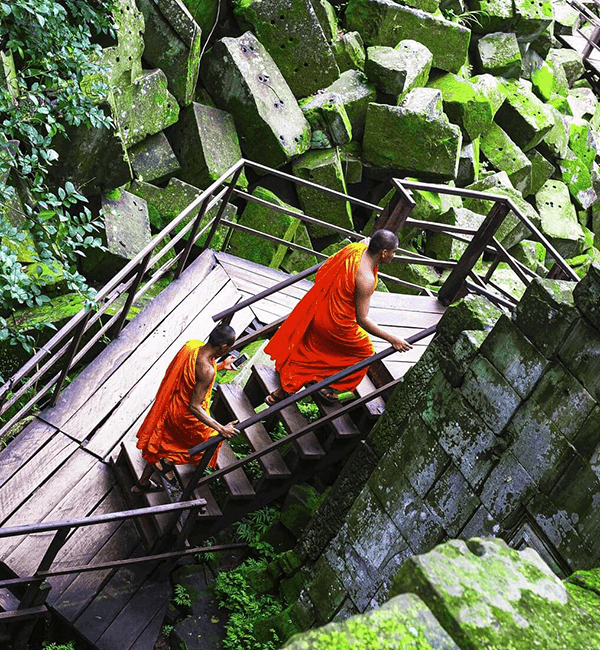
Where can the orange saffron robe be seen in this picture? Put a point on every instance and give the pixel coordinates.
(321, 335)
(170, 428)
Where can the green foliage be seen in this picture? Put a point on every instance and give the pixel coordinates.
(181, 596)
(58, 646)
(253, 528)
(167, 629)
(51, 43)
(309, 409)
(208, 557)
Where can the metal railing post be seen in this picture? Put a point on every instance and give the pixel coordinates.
(222, 207)
(77, 335)
(455, 281)
(191, 238)
(131, 295)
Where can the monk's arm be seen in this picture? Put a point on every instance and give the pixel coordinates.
(363, 292)
(198, 395)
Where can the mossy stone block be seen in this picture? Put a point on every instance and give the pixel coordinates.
(523, 116)
(415, 137)
(323, 168)
(558, 218)
(541, 170)
(403, 622)
(292, 35)
(349, 51)
(555, 144)
(172, 41)
(493, 16)
(416, 274)
(245, 81)
(295, 260)
(587, 295)
(455, 363)
(443, 247)
(586, 598)
(498, 54)
(327, 18)
(153, 159)
(325, 591)
(504, 155)
(548, 81)
(531, 19)
(547, 302)
(396, 70)
(351, 157)
(383, 22)
(470, 313)
(329, 122)
(418, 60)
(206, 143)
(468, 163)
(490, 595)
(570, 61)
(581, 355)
(532, 254)
(583, 103)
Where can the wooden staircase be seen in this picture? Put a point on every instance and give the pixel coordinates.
(256, 483)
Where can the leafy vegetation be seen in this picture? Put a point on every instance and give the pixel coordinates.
(49, 51)
(181, 596)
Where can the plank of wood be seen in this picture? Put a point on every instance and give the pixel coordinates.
(212, 511)
(342, 427)
(132, 620)
(19, 487)
(377, 405)
(401, 317)
(81, 499)
(254, 284)
(8, 602)
(130, 395)
(236, 481)
(148, 637)
(240, 409)
(407, 302)
(102, 401)
(308, 446)
(410, 356)
(119, 350)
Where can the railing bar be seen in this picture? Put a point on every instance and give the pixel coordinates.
(454, 191)
(436, 225)
(488, 294)
(505, 293)
(405, 193)
(221, 211)
(292, 399)
(30, 529)
(404, 283)
(143, 268)
(514, 265)
(326, 190)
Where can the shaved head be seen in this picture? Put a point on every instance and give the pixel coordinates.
(382, 240)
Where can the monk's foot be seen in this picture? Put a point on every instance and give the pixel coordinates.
(328, 395)
(167, 470)
(276, 396)
(149, 486)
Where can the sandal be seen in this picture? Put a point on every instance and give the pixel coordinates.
(273, 398)
(328, 395)
(167, 467)
(145, 488)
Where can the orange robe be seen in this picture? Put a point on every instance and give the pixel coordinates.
(321, 336)
(170, 428)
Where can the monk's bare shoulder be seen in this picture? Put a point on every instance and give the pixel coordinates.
(364, 279)
(205, 370)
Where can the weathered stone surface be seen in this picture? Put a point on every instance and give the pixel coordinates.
(587, 295)
(499, 54)
(206, 144)
(443, 247)
(325, 591)
(403, 622)
(493, 16)
(349, 51)
(558, 218)
(531, 19)
(468, 164)
(385, 22)
(569, 61)
(397, 70)
(351, 157)
(292, 35)
(523, 116)
(323, 168)
(295, 260)
(452, 500)
(390, 132)
(455, 363)
(504, 155)
(244, 80)
(541, 170)
(532, 254)
(268, 220)
(327, 18)
(329, 122)
(470, 313)
(172, 40)
(489, 595)
(581, 355)
(513, 356)
(550, 302)
(583, 103)
(548, 80)
(556, 142)
(153, 159)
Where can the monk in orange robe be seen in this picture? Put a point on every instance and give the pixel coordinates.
(179, 418)
(329, 328)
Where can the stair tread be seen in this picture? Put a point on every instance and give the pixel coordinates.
(344, 426)
(308, 445)
(237, 482)
(8, 601)
(185, 473)
(376, 406)
(240, 408)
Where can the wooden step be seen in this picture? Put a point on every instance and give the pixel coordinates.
(237, 482)
(377, 405)
(212, 511)
(344, 426)
(308, 446)
(239, 408)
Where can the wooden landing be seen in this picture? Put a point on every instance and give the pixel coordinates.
(58, 467)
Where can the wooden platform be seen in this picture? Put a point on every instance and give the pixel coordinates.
(58, 467)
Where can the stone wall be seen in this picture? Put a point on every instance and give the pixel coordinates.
(495, 432)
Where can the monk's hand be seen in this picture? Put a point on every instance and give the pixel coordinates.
(229, 430)
(227, 364)
(400, 344)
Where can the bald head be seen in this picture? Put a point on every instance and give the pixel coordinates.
(382, 240)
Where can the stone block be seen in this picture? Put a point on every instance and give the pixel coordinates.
(555, 145)
(507, 488)
(327, 18)
(523, 116)
(547, 302)
(548, 81)
(517, 360)
(402, 622)
(397, 70)
(531, 19)
(391, 141)
(532, 254)
(498, 54)
(329, 122)
(382, 22)
(244, 80)
(172, 40)
(206, 144)
(353, 93)
(124, 59)
(416, 274)
(503, 154)
(539, 445)
(153, 159)
(586, 295)
(581, 355)
(583, 103)
(587, 440)
(351, 157)
(486, 390)
(455, 364)
(470, 313)
(267, 220)
(323, 168)
(325, 591)
(575, 173)
(559, 393)
(452, 500)
(481, 524)
(492, 16)
(541, 170)
(468, 164)
(464, 104)
(558, 218)
(570, 61)
(292, 34)
(349, 51)
(296, 260)
(490, 595)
